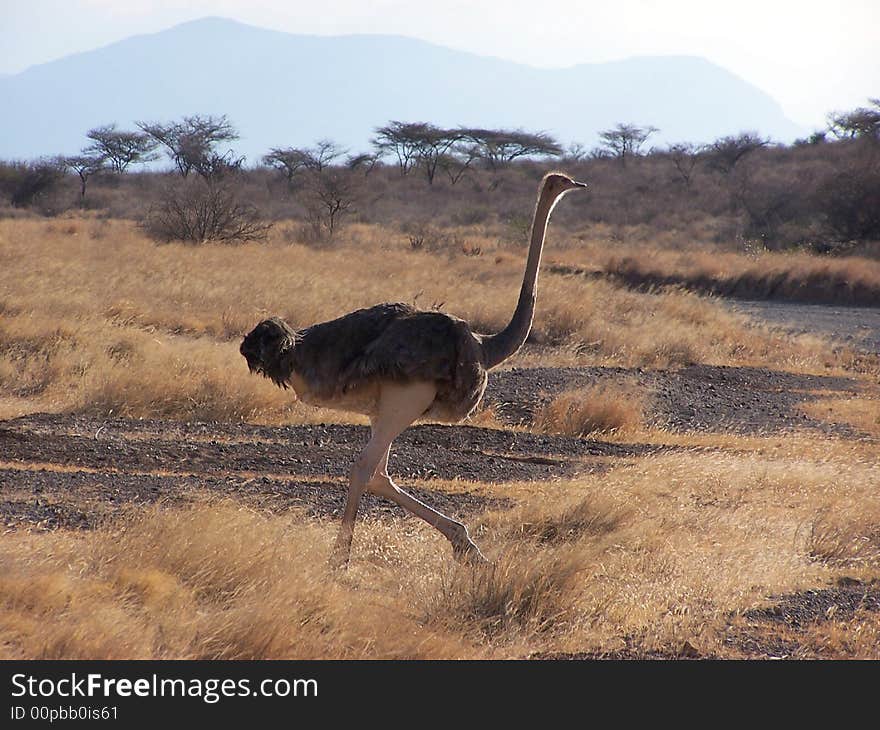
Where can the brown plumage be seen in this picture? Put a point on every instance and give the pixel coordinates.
(397, 364)
(386, 342)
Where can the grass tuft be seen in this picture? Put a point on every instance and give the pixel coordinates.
(600, 409)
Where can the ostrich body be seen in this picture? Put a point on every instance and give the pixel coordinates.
(396, 365)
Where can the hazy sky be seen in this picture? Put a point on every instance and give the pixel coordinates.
(811, 56)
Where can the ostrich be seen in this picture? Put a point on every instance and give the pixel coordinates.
(397, 365)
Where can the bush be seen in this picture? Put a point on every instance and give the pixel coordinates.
(27, 183)
(850, 202)
(592, 410)
(198, 211)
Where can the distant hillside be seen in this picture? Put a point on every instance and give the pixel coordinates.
(284, 89)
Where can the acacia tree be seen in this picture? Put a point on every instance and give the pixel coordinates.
(433, 145)
(725, 153)
(121, 148)
(293, 160)
(498, 147)
(403, 140)
(191, 143)
(863, 122)
(576, 152)
(84, 166)
(288, 160)
(684, 156)
(625, 140)
(363, 161)
(417, 144)
(322, 154)
(459, 159)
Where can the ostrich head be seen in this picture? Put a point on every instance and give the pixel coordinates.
(557, 184)
(267, 349)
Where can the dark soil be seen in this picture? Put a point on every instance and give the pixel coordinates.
(72, 471)
(696, 398)
(631, 651)
(807, 607)
(772, 632)
(423, 452)
(47, 499)
(778, 631)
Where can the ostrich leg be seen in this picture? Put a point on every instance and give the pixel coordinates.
(399, 406)
(463, 547)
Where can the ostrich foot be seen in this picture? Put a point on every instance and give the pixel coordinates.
(465, 550)
(338, 560)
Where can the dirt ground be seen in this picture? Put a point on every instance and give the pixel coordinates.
(71, 471)
(695, 398)
(778, 631)
(857, 327)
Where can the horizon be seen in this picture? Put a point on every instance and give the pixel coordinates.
(806, 88)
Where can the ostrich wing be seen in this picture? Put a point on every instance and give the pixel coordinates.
(428, 346)
(325, 352)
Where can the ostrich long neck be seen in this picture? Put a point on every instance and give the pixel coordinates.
(497, 348)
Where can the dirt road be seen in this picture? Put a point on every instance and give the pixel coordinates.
(856, 327)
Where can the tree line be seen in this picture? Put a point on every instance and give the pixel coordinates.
(191, 144)
(327, 178)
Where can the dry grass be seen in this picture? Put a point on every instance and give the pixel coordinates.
(751, 273)
(514, 599)
(659, 551)
(95, 318)
(848, 540)
(600, 409)
(862, 413)
(216, 581)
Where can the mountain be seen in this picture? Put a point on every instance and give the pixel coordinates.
(284, 89)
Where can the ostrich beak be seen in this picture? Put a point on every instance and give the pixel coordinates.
(580, 184)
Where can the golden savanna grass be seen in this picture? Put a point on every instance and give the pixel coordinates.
(662, 550)
(96, 318)
(652, 551)
(639, 254)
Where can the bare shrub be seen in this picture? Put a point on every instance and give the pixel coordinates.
(331, 194)
(198, 211)
(422, 235)
(471, 216)
(598, 409)
(469, 249)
